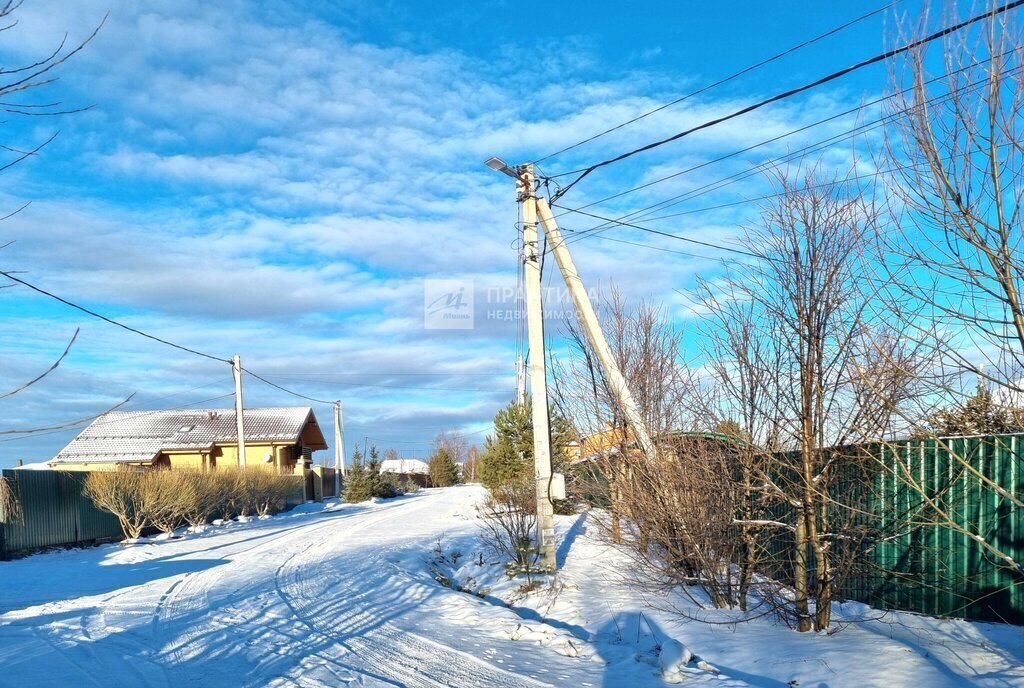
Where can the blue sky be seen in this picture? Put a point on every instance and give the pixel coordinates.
(278, 179)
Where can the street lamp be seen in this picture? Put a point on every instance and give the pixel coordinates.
(499, 165)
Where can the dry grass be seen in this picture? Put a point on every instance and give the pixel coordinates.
(10, 505)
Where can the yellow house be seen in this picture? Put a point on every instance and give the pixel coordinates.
(281, 439)
(603, 443)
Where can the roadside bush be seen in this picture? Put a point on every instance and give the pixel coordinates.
(366, 482)
(202, 497)
(120, 493)
(165, 497)
(509, 520)
(269, 491)
(10, 505)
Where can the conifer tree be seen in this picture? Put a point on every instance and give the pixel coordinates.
(443, 469)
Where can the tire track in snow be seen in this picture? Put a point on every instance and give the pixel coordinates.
(231, 614)
(381, 648)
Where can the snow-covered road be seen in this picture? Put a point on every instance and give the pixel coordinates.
(305, 599)
(345, 595)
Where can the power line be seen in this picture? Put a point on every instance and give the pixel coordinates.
(286, 390)
(61, 428)
(94, 314)
(715, 84)
(850, 111)
(360, 384)
(450, 373)
(661, 233)
(650, 247)
(643, 212)
(583, 172)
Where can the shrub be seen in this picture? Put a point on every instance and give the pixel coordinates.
(120, 493)
(201, 498)
(10, 505)
(164, 499)
(509, 519)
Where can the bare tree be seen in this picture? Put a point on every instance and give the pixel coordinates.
(120, 493)
(797, 332)
(953, 144)
(471, 468)
(954, 150)
(22, 94)
(453, 441)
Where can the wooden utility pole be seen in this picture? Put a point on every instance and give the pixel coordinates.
(591, 325)
(236, 369)
(538, 375)
(339, 448)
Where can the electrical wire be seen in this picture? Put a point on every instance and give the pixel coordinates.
(722, 81)
(94, 314)
(583, 172)
(65, 426)
(698, 242)
(285, 389)
(644, 213)
(361, 384)
(856, 130)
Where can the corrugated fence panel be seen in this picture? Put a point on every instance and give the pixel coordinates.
(918, 562)
(54, 512)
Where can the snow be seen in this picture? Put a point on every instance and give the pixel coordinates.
(404, 466)
(673, 659)
(37, 466)
(340, 594)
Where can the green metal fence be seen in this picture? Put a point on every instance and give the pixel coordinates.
(929, 506)
(53, 512)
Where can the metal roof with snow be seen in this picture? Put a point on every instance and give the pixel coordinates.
(140, 436)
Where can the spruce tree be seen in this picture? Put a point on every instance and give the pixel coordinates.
(443, 469)
(357, 483)
(507, 459)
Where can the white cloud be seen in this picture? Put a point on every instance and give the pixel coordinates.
(255, 180)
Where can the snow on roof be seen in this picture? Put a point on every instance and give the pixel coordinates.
(404, 466)
(38, 466)
(139, 436)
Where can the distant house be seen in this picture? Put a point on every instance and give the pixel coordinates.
(606, 442)
(403, 466)
(408, 470)
(282, 438)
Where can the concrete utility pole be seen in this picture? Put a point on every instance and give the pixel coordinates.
(339, 448)
(591, 325)
(538, 375)
(236, 369)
